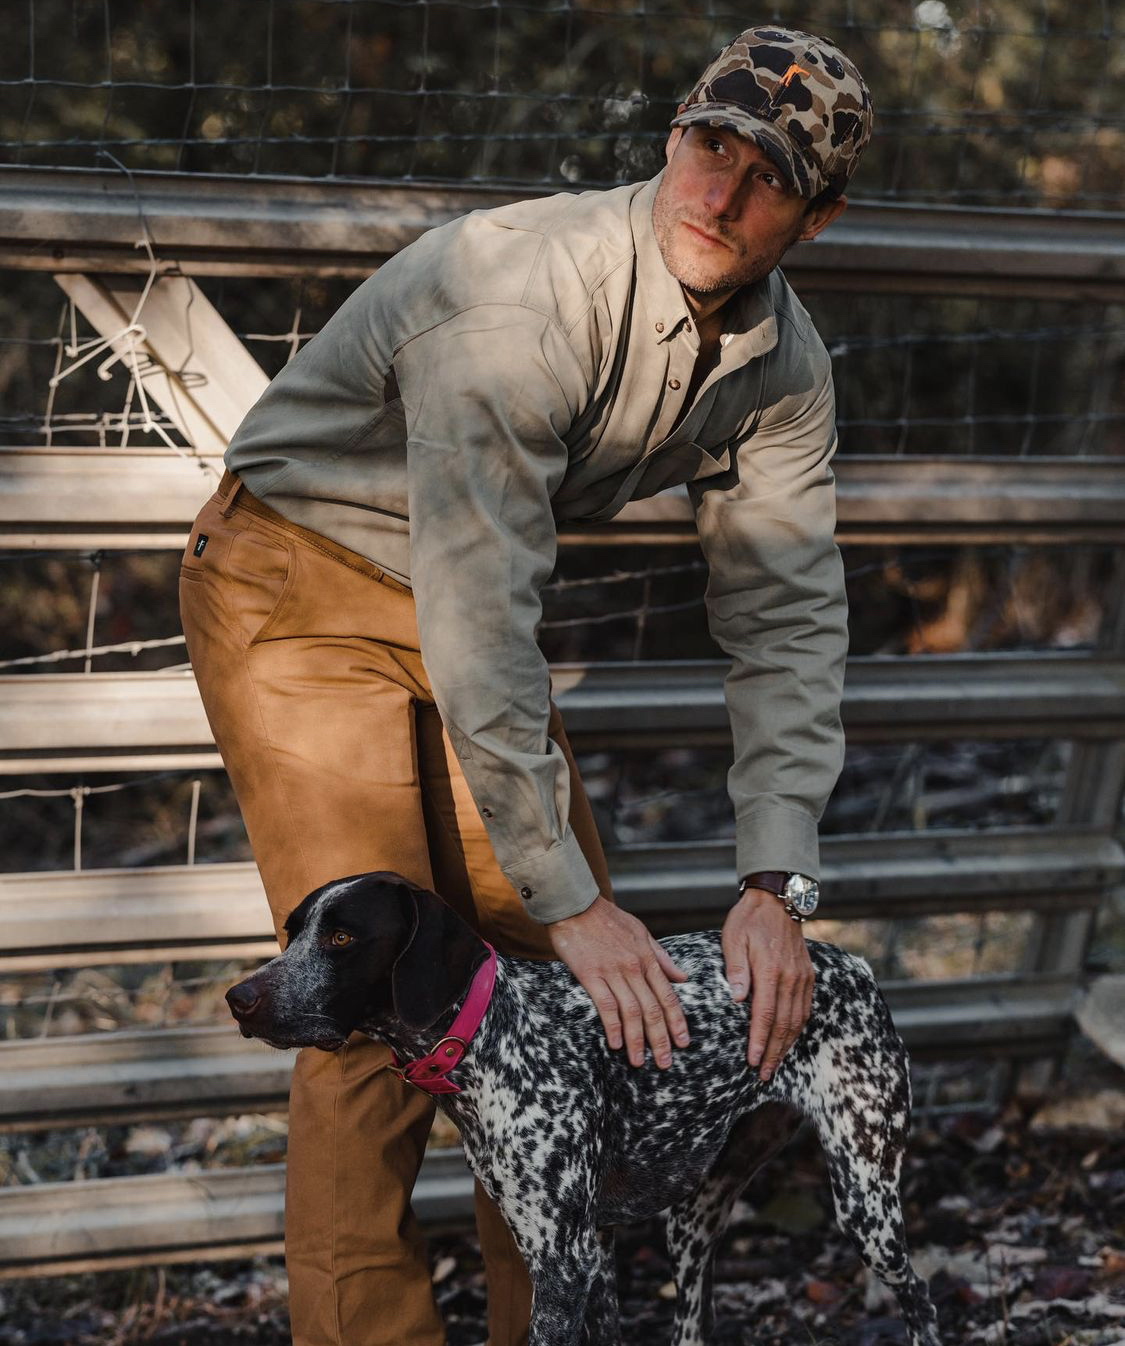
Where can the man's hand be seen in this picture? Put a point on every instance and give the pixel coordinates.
(765, 951)
(626, 974)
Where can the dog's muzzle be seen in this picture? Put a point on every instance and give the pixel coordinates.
(243, 1001)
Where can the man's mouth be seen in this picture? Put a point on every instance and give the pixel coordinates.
(702, 234)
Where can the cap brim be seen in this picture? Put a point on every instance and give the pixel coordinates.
(764, 134)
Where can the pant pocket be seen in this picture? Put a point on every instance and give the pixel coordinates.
(259, 574)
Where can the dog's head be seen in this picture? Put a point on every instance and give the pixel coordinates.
(361, 952)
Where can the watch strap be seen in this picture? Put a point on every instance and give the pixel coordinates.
(771, 880)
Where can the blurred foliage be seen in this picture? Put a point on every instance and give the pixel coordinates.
(984, 101)
(127, 995)
(1018, 1231)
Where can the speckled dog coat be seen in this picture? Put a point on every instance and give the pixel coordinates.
(568, 1138)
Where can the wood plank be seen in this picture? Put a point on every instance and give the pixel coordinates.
(80, 220)
(61, 498)
(75, 722)
(61, 1228)
(213, 1070)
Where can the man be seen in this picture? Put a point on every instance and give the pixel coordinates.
(361, 596)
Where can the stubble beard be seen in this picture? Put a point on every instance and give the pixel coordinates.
(743, 267)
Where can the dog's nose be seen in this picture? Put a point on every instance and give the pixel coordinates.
(243, 1000)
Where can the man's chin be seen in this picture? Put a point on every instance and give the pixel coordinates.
(703, 281)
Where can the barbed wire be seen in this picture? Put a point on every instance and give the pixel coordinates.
(103, 424)
(915, 560)
(130, 647)
(632, 614)
(625, 576)
(850, 344)
(114, 787)
(78, 794)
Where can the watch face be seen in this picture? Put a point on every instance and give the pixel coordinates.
(803, 893)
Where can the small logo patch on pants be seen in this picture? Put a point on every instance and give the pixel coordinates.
(200, 542)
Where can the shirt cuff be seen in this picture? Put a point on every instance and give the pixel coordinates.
(556, 884)
(777, 837)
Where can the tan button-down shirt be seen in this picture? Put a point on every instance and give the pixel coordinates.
(529, 365)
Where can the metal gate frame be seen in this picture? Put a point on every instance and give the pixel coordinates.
(82, 226)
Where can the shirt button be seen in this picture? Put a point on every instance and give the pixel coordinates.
(660, 327)
(673, 384)
(486, 813)
(687, 327)
(527, 894)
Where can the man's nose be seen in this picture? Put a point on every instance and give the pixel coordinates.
(243, 1000)
(721, 197)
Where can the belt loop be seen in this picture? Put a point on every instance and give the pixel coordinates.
(228, 503)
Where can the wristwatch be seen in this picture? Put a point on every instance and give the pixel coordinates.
(798, 892)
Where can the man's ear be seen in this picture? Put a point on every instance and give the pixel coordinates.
(437, 961)
(820, 216)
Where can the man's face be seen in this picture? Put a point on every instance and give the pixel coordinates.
(723, 215)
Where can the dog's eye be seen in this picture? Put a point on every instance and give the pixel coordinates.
(340, 939)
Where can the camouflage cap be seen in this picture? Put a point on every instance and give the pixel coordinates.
(795, 95)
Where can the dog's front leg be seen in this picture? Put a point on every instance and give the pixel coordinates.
(603, 1325)
(553, 1227)
(563, 1271)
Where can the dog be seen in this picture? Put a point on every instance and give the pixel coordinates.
(566, 1136)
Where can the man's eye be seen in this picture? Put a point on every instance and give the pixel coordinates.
(340, 939)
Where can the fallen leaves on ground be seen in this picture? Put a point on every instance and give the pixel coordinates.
(1020, 1229)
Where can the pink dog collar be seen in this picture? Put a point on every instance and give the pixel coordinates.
(429, 1072)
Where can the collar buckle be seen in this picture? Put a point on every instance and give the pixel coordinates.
(429, 1073)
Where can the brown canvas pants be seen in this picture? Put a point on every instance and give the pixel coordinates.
(307, 661)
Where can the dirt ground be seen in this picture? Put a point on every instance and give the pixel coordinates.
(1017, 1218)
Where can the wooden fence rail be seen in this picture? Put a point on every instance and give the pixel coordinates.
(58, 919)
(60, 498)
(90, 722)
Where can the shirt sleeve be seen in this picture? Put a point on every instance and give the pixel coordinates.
(776, 604)
(488, 395)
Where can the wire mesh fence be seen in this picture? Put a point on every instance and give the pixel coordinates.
(116, 610)
(632, 603)
(997, 102)
(913, 374)
(608, 602)
(960, 375)
(986, 102)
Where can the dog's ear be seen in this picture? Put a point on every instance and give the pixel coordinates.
(436, 965)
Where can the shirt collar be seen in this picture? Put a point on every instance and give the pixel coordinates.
(749, 322)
